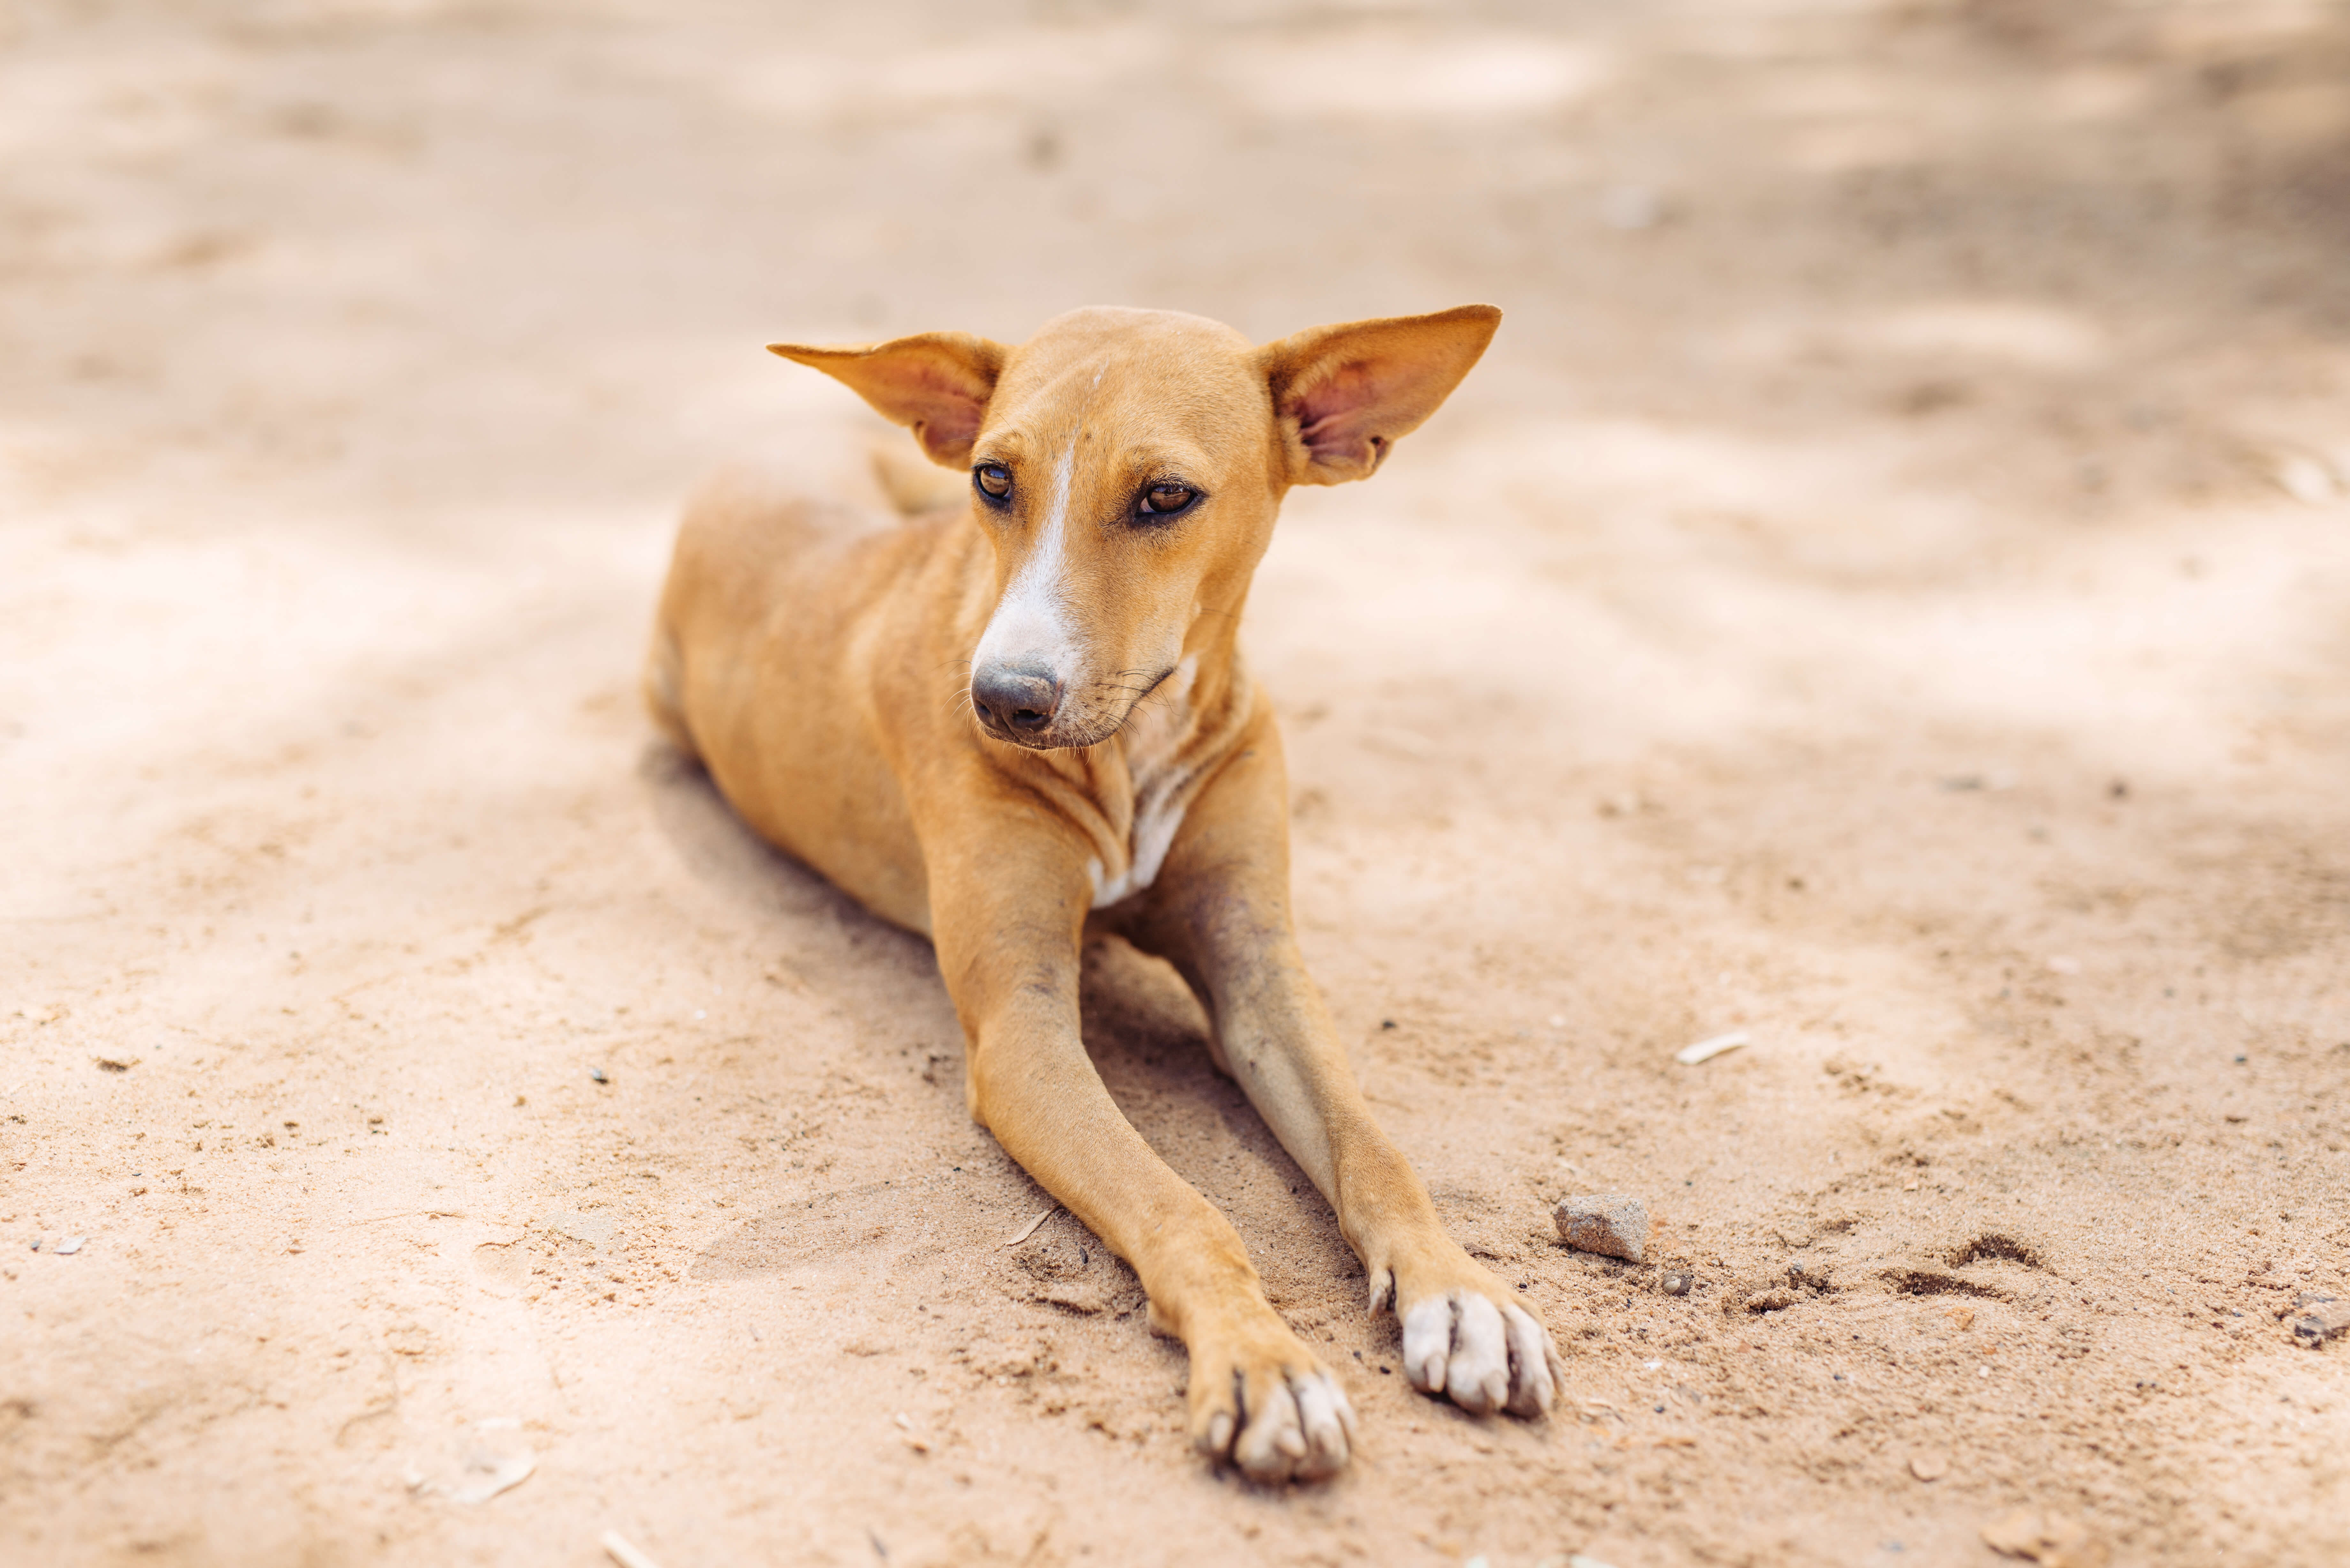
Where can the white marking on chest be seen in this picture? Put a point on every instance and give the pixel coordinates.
(1162, 786)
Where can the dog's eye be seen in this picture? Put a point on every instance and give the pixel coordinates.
(1162, 500)
(993, 480)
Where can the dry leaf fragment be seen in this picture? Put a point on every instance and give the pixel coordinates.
(497, 1475)
(2321, 1318)
(2050, 1540)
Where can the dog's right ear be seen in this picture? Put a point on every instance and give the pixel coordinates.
(937, 383)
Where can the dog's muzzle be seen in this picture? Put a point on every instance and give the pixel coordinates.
(1015, 701)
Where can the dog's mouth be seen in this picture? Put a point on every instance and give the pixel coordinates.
(1073, 721)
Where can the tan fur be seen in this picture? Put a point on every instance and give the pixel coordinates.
(818, 658)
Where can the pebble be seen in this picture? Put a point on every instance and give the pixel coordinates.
(2322, 1318)
(69, 1246)
(1928, 1466)
(1612, 1224)
(2305, 479)
(1632, 207)
(595, 1074)
(1676, 1284)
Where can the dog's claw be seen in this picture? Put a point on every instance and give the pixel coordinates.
(1483, 1356)
(1536, 1372)
(1478, 1371)
(1427, 1343)
(1329, 1422)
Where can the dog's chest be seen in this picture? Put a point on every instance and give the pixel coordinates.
(1164, 777)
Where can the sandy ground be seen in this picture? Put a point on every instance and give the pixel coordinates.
(1888, 590)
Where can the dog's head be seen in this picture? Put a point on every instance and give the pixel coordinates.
(1126, 466)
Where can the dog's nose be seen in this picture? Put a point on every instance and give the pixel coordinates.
(1015, 698)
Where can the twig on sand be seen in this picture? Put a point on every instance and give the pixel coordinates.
(625, 1554)
(1706, 1050)
(1030, 1229)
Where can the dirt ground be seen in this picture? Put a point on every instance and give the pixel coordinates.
(1886, 590)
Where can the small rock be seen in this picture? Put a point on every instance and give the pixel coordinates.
(2050, 1540)
(1612, 1224)
(1631, 207)
(115, 1064)
(1676, 1284)
(69, 1246)
(2305, 479)
(595, 1074)
(2322, 1318)
(1929, 1467)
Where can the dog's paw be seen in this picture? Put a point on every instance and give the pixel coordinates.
(1463, 1338)
(1264, 1402)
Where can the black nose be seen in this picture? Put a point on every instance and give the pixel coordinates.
(1012, 697)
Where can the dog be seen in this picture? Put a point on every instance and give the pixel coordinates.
(1021, 717)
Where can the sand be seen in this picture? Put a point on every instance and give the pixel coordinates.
(1888, 591)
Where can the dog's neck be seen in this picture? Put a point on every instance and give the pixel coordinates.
(1128, 792)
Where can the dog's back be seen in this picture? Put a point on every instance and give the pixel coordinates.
(795, 614)
(752, 524)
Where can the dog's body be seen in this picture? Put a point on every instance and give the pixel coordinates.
(1005, 721)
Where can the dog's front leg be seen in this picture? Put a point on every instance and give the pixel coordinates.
(1008, 917)
(1219, 912)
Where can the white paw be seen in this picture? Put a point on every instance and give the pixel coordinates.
(1278, 1424)
(1482, 1357)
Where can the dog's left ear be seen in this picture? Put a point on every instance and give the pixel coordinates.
(1342, 395)
(937, 383)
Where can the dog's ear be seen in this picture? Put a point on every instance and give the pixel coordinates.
(1342, 395)
(937, 383)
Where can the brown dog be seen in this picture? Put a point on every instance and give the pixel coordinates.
(1008, 721)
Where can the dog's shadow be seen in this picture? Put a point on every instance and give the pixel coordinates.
(717, 849)
(1145, 1032)
(1148, 1036)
